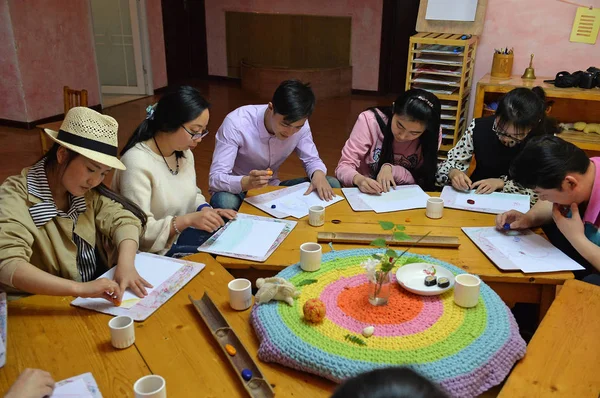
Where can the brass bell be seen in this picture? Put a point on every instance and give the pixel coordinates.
(529, 71)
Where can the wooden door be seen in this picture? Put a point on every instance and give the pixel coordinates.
(397, 25)
(184, 26)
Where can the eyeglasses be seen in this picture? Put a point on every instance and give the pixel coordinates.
(196, 136)
(513, 140)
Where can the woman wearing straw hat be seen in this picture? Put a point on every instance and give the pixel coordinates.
(55, 213)
(161, 176)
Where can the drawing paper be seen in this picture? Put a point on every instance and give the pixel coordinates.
(290, 201)
(404, 197)
(495, 203)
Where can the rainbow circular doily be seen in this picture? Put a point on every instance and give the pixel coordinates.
(466, 351)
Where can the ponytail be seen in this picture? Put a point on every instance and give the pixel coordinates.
(178, 106)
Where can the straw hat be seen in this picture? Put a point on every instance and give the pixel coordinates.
(90, 134)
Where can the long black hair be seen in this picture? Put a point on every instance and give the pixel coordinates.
(420, 106)
(393, 382)
(525, 110)
(178, 106)
(52, 161)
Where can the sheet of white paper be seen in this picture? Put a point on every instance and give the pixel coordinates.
(495, 203)
(3, 325)
(76, 388)
(154, 269)
(354, 199)
(249, 237)
(290, 201)
(404, 197)
(532, 253)
(451, 10)
(524, 250)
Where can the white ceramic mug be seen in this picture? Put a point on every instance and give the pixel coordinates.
(240, 294)
(152, 386)
(466, 290)
(122, 333)
(316, 216)
(435, 208)
(310, 256)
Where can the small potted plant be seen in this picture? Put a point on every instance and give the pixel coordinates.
(380, 265)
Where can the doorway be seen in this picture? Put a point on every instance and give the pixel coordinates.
(397, 26)
(184, 25)
(119, 53)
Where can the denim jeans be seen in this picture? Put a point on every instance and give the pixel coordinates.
(188, 242)
(226, 200)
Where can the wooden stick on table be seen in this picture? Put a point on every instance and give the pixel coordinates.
(353, 237)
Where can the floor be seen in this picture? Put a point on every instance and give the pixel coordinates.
(331, 124)
(109, 100)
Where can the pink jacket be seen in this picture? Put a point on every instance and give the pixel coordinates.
(360, 154)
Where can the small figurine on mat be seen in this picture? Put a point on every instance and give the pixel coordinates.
(275, 288)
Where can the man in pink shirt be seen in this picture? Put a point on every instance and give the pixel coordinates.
(568, 183)
(254, 141)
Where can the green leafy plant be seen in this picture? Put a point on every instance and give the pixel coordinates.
(355, 339)
(382, 263)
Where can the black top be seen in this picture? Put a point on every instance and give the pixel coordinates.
(492, 157)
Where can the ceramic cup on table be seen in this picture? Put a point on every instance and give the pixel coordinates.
(240, 294)
(310, 256)
(122, 333)
(316, 216)
(152, 386)
(435, 208)
(466, 290)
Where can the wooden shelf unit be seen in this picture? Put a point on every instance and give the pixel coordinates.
(445, 58)
(570, 104)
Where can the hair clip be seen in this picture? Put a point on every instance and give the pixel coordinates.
(426, 101)
(150, 111)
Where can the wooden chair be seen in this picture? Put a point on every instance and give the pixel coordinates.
(72, 98)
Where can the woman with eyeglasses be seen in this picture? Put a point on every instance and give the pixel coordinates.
(495, 141)
(161, 178)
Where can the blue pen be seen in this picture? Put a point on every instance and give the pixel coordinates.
(506, 226)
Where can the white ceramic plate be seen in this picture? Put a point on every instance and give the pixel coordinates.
(412, 278)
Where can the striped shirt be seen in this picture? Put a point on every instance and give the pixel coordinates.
(41, 213)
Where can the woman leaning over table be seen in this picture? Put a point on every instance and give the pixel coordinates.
(56, 213)
(161, 177)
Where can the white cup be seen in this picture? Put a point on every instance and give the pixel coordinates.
(310, 256)
(240, 294)
(122, 333)
(435, 208)
(466, 290)
(316, 216)
(152, 386)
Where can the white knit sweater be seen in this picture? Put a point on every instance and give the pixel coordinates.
(161, 195)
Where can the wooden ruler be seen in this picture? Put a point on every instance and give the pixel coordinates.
(257, 386)
(360, 238)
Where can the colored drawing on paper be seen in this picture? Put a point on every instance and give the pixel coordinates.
(167, 275)
(82, 386)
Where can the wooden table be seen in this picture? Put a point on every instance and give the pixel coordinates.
(570, 105)
(176, 344)
(511, 286)
(563, 355)
(47, 333)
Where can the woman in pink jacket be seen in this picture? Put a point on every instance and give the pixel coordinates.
(394, 145)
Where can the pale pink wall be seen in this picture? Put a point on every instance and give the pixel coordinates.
(12, 97)
(542, 27)
(157, 43)
(366, 31)
(55, 48)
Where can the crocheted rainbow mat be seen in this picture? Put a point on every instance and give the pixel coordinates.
(466, 351)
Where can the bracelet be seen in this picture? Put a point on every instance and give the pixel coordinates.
(174, 223)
